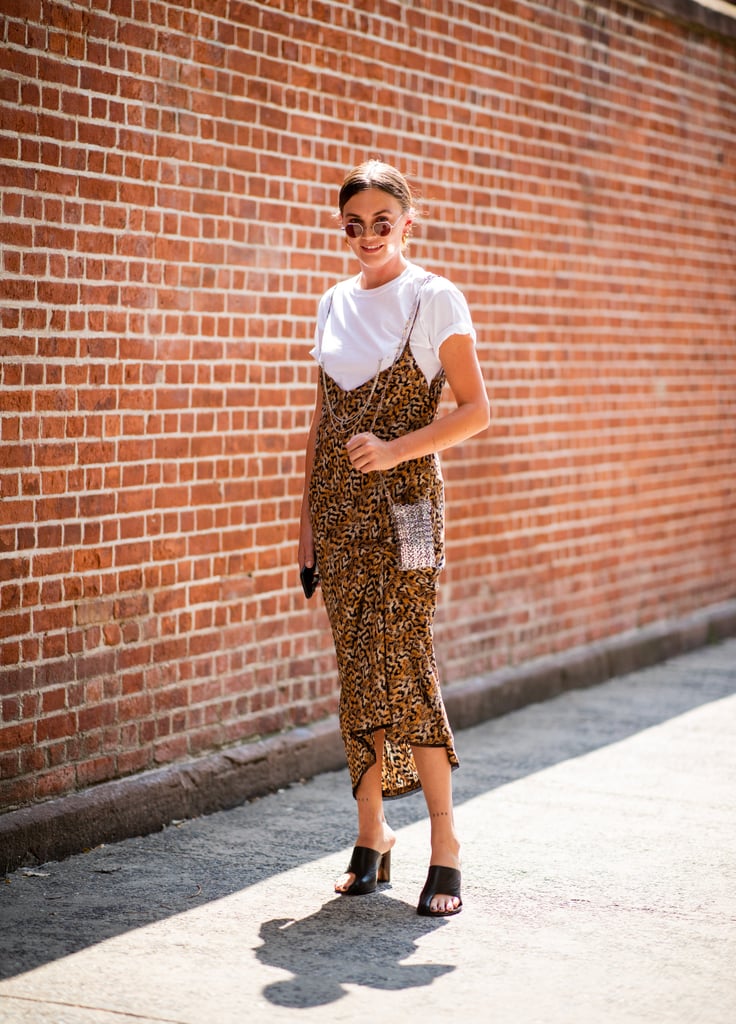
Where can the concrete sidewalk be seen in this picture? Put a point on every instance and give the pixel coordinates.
(599, 834)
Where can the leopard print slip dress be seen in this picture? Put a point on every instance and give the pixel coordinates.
(381, 614)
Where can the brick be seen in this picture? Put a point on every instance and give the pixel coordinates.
(56, 727)
(14, 737)
(52, 618)
(53, 700)
(96, 717)
(55, 783)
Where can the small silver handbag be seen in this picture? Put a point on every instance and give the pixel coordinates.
(413, 534)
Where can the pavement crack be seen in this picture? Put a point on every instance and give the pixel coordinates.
(122, 1014)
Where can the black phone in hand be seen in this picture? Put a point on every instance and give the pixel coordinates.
(310, 579)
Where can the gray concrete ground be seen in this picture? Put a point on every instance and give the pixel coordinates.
(599, 876)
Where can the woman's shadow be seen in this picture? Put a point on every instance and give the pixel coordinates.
(360, 941)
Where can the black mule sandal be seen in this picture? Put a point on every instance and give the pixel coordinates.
(369, 867)
(444, 880)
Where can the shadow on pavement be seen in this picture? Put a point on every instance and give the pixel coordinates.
(388, 933)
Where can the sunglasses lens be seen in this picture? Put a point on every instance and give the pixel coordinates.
(353, 230)
(382, 228)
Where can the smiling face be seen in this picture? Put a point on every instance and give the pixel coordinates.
(380, 256)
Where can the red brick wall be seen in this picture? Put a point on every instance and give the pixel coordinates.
(168, 179)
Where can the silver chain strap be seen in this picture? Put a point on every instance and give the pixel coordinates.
(342, 424)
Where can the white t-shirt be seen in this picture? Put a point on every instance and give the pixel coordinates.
(363, 332)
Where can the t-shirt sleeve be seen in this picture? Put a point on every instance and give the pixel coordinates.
(319, 327)
(445, 312)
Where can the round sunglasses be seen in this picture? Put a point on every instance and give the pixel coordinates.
(381, 228)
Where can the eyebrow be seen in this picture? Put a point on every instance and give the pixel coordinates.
(354, 216)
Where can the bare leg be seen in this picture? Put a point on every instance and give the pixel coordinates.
(373, 831)
(435, 776)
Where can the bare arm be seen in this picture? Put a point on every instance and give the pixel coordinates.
(472, 414)
(306, 541)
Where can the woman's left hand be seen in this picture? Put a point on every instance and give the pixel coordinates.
(369, 454)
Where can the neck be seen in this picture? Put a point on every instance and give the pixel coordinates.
(375, 277)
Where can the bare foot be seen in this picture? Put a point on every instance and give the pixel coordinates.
(382, 840)
(447, 856)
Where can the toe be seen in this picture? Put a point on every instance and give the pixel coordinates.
(442, 904)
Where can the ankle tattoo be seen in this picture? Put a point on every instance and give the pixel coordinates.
(440, 814)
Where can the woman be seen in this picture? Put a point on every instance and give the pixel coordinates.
(372, 518)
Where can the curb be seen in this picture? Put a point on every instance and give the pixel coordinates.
(147, 802)
(508, 689)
